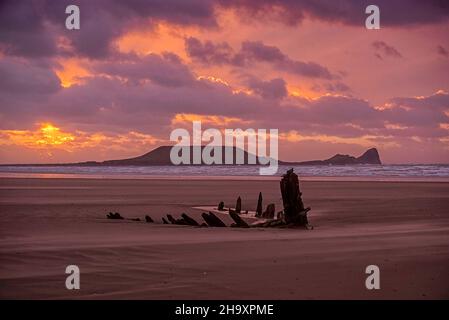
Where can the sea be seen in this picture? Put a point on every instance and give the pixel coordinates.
(394, 172)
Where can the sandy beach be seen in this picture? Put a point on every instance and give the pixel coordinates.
(47, 224)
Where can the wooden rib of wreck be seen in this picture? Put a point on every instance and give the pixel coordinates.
(269, 212)
(190, 221)
(116, 216)
(293, 215)
(238, 222)
(171, 219)
(212, 220)
(185, 220)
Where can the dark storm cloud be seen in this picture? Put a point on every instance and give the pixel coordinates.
(337, 87)
(31, 27)
(272, 89)
(419, 112)
(208, 52)
(331, 110)
(351, 117)
(350, 12)
(25, 87)
(104, 20)
(23, 31)
(331, 87)
(250, 52)
(257, 51)
(165, 70)
(25, 78)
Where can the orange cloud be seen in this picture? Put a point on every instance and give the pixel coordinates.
(218, 80)
(395, 126)
(214, 120)
(213, 79)
(364, 141)
(163, 37)
(72, 71)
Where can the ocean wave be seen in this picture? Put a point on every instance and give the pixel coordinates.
(418, 171)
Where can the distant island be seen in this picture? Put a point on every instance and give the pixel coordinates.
(161, 157)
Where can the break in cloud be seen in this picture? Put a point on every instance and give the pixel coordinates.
(137, 69)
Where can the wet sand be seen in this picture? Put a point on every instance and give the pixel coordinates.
(47, 224)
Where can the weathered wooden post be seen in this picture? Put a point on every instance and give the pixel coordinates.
(259, 205)
(238, 205)
(294, 211)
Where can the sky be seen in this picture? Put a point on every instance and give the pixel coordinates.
(136, 70)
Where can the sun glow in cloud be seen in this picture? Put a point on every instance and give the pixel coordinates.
(52, 135)
(49, 137)
(46, 136)
(301, 93)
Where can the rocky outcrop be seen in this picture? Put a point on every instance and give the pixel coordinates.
(371, 156)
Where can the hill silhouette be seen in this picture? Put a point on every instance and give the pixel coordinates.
(161, 156)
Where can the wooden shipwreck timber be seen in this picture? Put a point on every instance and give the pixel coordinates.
(293, 215)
